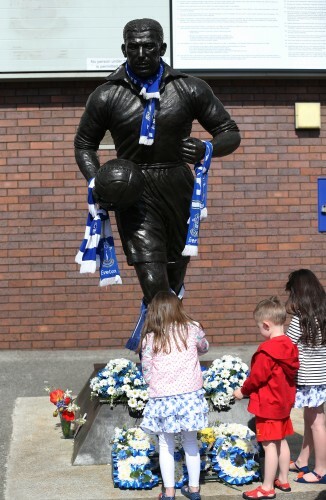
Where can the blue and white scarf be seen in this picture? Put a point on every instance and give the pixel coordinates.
(150, 90)
(198, 209)
(97, 247)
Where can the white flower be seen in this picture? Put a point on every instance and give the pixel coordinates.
(140, 434)
(133, 393)
(111, 391)
(140, 405)
(132, 402)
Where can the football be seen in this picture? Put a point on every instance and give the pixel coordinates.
(118, 184)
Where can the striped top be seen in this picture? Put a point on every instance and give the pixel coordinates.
(312, 369)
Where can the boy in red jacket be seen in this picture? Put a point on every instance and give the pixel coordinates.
(271, 389)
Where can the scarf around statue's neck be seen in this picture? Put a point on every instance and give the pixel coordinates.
(150, 91)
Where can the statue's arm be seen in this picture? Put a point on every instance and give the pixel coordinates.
(90, 132)
(214, 118)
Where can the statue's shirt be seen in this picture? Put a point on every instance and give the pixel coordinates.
(117, 106)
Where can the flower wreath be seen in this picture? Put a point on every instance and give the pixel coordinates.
(132, 464)
(233, 454)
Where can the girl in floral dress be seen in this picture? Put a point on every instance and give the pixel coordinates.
(307, 304)
(170, 344)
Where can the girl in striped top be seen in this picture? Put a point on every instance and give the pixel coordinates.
(307, 304)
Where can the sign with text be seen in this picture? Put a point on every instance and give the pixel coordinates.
(249, 35)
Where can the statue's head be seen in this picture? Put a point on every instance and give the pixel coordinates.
(143, 46)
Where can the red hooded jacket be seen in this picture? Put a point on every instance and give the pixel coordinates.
(271, 382)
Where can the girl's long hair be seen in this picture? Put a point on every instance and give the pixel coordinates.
(167, 319)
(307, 300)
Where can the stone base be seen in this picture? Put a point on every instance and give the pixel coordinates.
(92, 444)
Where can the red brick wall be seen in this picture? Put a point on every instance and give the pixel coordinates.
(262, 220)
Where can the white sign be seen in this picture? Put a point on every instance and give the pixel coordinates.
(254, 34)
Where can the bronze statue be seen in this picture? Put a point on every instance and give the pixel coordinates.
(154, 229)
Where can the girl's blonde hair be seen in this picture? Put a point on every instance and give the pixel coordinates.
(167, 319)
(270, 310)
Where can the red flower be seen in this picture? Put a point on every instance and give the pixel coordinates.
(56, 396)
(68, 415)
(67, 400)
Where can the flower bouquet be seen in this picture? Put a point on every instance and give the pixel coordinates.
(67, 410)
(120, 381)
(132, 463)
(222, 378)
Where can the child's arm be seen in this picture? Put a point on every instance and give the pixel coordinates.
(294, 331)
(259, 374)
(146, 360)
(201, 342)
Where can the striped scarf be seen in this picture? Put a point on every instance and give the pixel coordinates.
(97, 247)
(198, 208)
(150, 90)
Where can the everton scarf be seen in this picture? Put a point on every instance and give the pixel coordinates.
(198, 209)
(150, 90)
(97, 247)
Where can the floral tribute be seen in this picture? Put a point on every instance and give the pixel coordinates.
(222, 378)
(66, 408)
(228, 454)
(132, 459)
(234, 453)
(120, 381)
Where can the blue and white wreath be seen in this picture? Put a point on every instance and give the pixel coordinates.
(222, 378)
(132, 464)
(234, 454)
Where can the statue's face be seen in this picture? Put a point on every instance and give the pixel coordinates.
(143, 50)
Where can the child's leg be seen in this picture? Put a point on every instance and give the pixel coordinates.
(166, 442)
(307, 442)
(272, 451)
(190, 447)
(284, 461)
(317, 420)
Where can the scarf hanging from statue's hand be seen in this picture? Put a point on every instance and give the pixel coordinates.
(198, 208)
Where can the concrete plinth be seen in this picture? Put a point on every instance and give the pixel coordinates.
(92, 444)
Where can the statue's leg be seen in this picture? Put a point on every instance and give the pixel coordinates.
(153, 277)
(176, 273)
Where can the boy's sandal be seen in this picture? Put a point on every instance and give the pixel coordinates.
(265, 495)
(193, 495)
(321, 479)
(304, 469)
(282, 486)
(162, 496)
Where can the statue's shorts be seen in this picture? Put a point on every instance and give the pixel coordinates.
(155, 228)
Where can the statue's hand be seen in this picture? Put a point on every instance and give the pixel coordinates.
(100, 201)
(192, 150)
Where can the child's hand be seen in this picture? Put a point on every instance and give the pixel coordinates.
(237, 394)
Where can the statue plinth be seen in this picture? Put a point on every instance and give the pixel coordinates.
(92, 444)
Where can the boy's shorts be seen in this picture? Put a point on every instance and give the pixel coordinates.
(273, 430)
